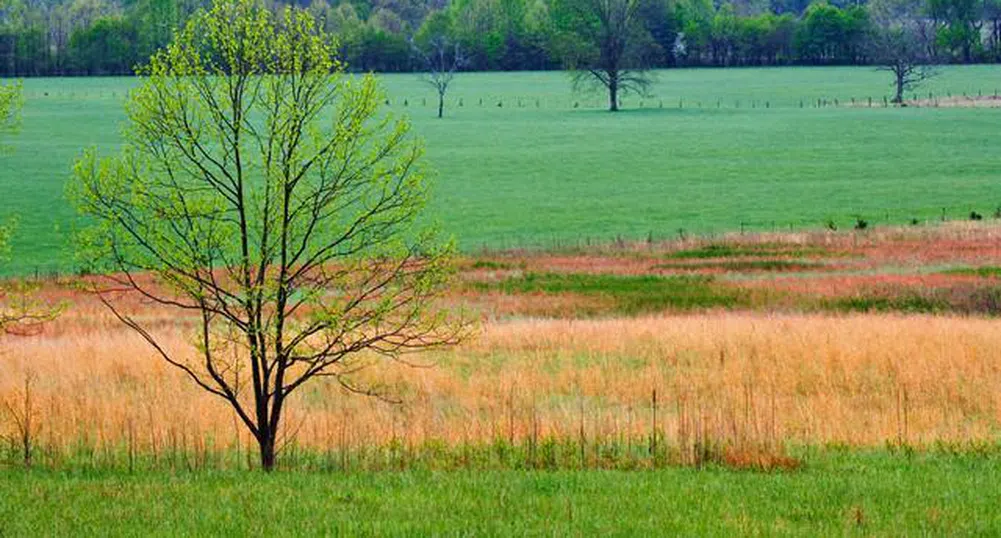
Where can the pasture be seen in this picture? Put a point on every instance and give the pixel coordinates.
(525, 162)
(675, 328)
(780, 384)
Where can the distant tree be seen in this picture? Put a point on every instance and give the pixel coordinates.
(439, 56)
(606, 45)
(106, 48)
(266, 194)
(441, 60)
(992, 15)
(899, 46)
(155, 21)
(831, 35)
(959, 26)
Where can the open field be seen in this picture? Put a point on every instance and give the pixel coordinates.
(621, 356)
(538, 171)
(780, 384)
(751, 304)
(836, 494)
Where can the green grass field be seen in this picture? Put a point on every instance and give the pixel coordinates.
(837, 494)
(536, 170)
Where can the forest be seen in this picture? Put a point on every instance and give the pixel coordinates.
(112, 37)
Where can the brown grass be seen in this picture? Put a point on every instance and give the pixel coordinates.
(958, 101)
(740, 381)
(730, 387)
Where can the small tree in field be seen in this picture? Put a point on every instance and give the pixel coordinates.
(899, 48)
(261, 191)
(606, 45)
(440, 59)
(439, 56)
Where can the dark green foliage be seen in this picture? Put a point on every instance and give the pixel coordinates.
(907, 304)
(830, 35)
(764, 250)
(631, 294)
(744, 266)
(492, 265)
(109, 47)
(63, 37)
(983, 272)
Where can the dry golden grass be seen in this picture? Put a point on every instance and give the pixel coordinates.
(958, 101)
(749, 380)
(742, 379)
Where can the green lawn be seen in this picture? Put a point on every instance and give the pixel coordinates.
(837, 494)
(546, 171)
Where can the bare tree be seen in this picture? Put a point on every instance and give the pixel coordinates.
(262, 192)
(606, 46)
(441, 59)
(898, 43)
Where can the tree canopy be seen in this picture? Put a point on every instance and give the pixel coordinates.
(79, 37)
(266, 195)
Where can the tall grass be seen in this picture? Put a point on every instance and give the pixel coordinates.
(558, 393)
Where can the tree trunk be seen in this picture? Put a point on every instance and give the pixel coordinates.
(266, 442)
(613, 95)
(441, 105)
(899, 99)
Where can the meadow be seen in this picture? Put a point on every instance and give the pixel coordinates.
(633, 356)
(680, 326)
(779, 383)
(788, 384)
(522, 161)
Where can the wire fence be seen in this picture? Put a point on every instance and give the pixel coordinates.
(854, 223)
(982, 97)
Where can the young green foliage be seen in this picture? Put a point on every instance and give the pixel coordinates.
(11, 100)
(266, 195)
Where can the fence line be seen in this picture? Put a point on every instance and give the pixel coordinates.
(589, 102)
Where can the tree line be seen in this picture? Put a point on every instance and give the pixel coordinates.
(111, 37)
